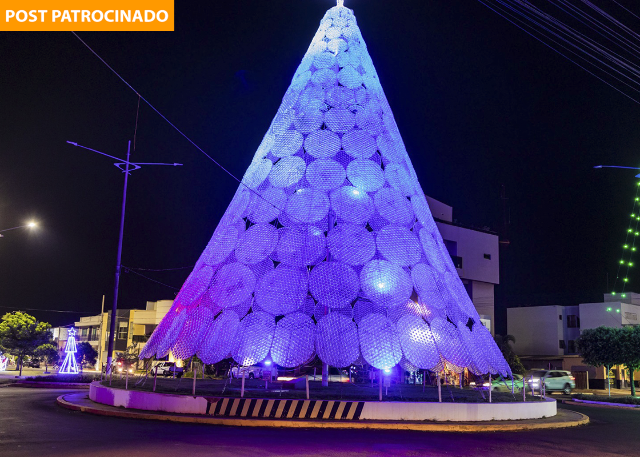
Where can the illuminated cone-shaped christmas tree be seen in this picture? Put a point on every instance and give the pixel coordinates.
(69, 365)
(328, 246)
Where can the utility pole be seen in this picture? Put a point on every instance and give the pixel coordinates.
(128, 168)
(100, 339)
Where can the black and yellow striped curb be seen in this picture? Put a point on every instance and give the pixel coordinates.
(563, 419)
(284, 409)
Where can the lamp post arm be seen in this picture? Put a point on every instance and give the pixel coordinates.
(14, 228)
(101, 153)
(616, 166)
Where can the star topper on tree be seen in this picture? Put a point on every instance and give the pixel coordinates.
(69, 366)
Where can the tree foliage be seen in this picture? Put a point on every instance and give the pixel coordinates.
(85, 354)
(21, 334)
(48, 353)
(504, 343)
(599, 347)
(630, 351)
(131, 356)
(607, 346)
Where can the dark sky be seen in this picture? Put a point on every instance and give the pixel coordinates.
(479, 104)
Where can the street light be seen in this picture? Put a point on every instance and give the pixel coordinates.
(128, 168)
(30, 225)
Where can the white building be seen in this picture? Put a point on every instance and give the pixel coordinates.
(475, 253)
(544, 330)
(545, 335)
(552, 330)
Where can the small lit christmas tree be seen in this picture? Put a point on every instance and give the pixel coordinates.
(69, 366)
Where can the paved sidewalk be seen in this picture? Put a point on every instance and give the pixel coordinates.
(564, 418)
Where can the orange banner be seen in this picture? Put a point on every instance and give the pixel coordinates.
(87, 15)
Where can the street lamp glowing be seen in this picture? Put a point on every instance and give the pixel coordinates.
(32, 224)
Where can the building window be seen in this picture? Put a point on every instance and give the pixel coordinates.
(457, 261)
(84, 331)
(123, 329)
(561, 344)
(452, 247)
(560, 317)
(487, 256)
(572, 346)
(572, 321)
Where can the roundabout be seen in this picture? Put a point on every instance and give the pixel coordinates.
(81, 402)
(285, 412)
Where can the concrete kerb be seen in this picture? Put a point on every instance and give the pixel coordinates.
(577, 401)
(50, 385)
(81, 402)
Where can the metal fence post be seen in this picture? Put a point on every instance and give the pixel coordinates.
(195, 375)
(242, 388)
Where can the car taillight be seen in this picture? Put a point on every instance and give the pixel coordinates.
(572, 378)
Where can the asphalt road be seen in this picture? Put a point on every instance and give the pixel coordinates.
(32, 425)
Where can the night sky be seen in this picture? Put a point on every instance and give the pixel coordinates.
(479, 104)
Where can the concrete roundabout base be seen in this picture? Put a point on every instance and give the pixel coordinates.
(81, 402)
(323, 414)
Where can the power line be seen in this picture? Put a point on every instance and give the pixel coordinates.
(47, 310)
(565, 40)
(161, 269)
(150, 279)
(184, 135)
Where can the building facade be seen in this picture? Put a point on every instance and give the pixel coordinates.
(133, 327)
(476, 255)
(546, 335)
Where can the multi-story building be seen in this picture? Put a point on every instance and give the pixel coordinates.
(475, 253)
(133, 326)
(546, 335)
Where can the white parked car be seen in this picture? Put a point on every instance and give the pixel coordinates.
(168, 369)
(252, 372)
(554, 380)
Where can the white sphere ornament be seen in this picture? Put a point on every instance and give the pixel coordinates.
(253, 339)
(352, 244)
(218, 340)
(282, 290)
(365, 174)
(307, 205)
(325, 174)
(334, 284)
(300, 246)
(352, 204)
(337, 340)
(379, 341)
(385, 283)
(293, 340)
